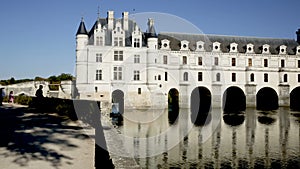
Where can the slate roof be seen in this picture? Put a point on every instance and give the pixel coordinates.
(81, 29)
(108, 35)
(225, 41)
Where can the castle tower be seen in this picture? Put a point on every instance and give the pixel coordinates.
(151, 35)
(298, 36)
(81, 53)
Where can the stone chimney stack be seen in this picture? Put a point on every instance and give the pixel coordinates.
(110, 20)
(125, 21)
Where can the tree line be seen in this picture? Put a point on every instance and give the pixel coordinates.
(52, 79)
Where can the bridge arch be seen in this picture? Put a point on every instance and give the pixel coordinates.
(173, 105)
(234, 99)
(266, 99)
(117, 96)
(295, 99)
(200, 104)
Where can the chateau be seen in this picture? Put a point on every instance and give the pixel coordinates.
(117, 62)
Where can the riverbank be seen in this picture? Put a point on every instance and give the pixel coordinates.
(116, 145)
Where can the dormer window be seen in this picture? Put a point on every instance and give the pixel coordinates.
(200, 46)
(282, 49)
(265, 49)
(136, 38)
(184, 45)
(118, 36)
(233, 47)
(99, 41)
(250, 48)
(165, 44)
(216, 46)
(136, 43)
(298, 50)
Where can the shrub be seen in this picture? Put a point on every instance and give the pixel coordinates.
(23, 100)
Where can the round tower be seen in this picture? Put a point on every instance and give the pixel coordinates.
(152, 39)
(81, 54)
(298, 36)
(81, 36)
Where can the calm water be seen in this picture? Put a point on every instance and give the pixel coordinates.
(253, 139)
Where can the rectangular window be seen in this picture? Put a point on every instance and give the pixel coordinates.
(184, 60)
(139, 91)
(115, 41)
(298, 77)
(98, 57)
(200, 76)
(118, 55)
(265, 62)
(165, 57)
(266, 77)
(232, 61)
(117, 73)
(98, 74)
(249, 62)
(216, 61)
(101, 41)
(120, 41)
(282, 64)
(136, 43)
(199, 60)
(136, 58)
(166, 76)
(298, 63)
(136, 75)
(233, 77)
(285, 78)
(98, 41)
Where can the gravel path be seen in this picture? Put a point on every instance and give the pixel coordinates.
(43, 141)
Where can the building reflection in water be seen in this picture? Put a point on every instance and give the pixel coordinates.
(252, 139)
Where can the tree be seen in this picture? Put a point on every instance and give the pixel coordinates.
(12, 81)
(65, 76)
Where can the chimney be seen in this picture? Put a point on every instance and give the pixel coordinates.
(298, 36)
(125, 21)
(110, 20)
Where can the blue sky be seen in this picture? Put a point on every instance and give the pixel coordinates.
(37, 38)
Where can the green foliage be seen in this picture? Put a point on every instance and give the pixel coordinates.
(52, 79)
(65, 76)
(53, 87)
(21, 99)
(13, 81)
(39, 79)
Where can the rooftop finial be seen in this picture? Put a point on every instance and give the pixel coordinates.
(98, 12)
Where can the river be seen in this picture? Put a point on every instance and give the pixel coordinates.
(250, 139)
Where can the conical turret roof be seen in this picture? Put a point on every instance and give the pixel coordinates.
(82, 30)
(151, 33)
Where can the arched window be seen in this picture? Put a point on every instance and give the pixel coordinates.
(185, 76)
(285, 78)
(252, 77)
(218, 77)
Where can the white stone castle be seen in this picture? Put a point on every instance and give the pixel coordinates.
(117, 61)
